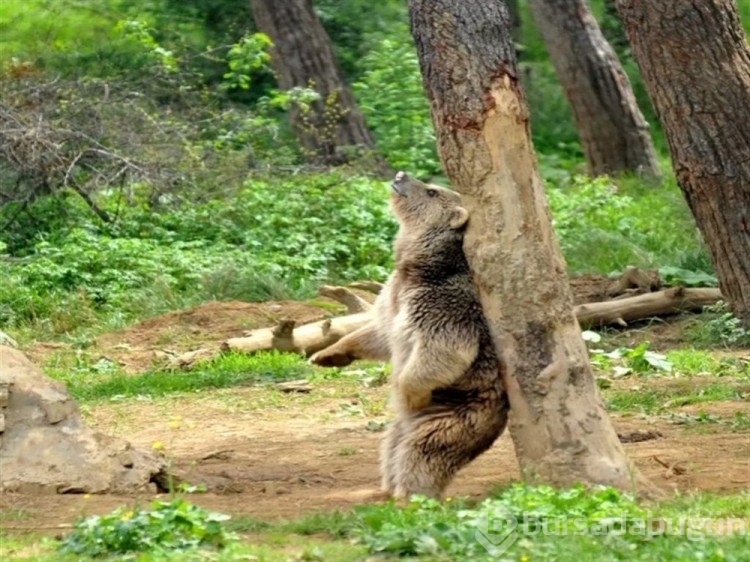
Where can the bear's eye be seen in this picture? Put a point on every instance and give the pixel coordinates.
(431, 192)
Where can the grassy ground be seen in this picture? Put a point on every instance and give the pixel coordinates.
(696, 398)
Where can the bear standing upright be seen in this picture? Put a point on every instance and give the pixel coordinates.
(447, 386)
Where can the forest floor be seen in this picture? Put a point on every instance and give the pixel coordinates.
(266, 453)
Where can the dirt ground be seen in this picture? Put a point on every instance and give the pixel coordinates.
(280, 462)
(269, 455)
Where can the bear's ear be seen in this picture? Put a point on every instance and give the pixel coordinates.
(459, 217)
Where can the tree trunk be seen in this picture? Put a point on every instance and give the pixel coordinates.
(302, 57)
(613, 132)
(696, 66)
(558, 424)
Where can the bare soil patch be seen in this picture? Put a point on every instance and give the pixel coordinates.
(274, 458)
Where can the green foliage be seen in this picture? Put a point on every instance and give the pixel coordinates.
(723, 329)
(173, 525)
(624, 360)
(687, 361)
(687, 277)
(273, 239)
(605, 226)
(139, 32)
(658, 400)
(580, 524)
(102, 381)
(247, 57)
(392, 98)
(430, 527)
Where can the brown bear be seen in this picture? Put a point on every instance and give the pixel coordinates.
(447, 386)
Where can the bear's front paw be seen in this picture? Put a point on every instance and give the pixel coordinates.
(326, 358)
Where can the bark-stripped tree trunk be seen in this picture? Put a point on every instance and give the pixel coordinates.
(613, 132)
(559, 427)
(302, 56)
(696, 66)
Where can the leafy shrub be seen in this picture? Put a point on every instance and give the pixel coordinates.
(430, 527)
(724, 328)
(551, 524)
(605, 226)
(392, 98)
(167, 526)
(273, 239)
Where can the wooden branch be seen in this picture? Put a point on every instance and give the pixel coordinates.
(369, 286)
(354, 303)
(622, 311)
(306, 339)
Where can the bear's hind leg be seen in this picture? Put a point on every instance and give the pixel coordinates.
(439, 443)
(388, 460)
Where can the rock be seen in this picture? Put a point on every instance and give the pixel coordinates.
(47, 448)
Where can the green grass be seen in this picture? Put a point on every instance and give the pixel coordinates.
(228, 370)
(672, 530)
(653, 400)
(706, 422)
(691, 361)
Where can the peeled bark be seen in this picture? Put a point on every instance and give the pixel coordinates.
(613, 132)
(695, 63)
(303, 57)
(559, 427)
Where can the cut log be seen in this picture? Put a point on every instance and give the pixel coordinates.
(305, 340)
(621, 311)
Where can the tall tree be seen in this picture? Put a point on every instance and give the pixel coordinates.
(695, 63)
(302, 56)
(613, 132)
(559, 426)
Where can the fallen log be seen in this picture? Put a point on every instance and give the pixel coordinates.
(309, 338)
(621, 311)
(305, 340)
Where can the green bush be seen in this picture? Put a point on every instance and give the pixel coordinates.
(429, 527)
(605, 225)
(273, 239)
(392, 98)
(167, 526)
(550, 524)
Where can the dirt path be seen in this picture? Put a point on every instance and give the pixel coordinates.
(274, 462)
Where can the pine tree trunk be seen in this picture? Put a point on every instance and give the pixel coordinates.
(559, 426)
(303, 57)
(613, 132)
(695, 63)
